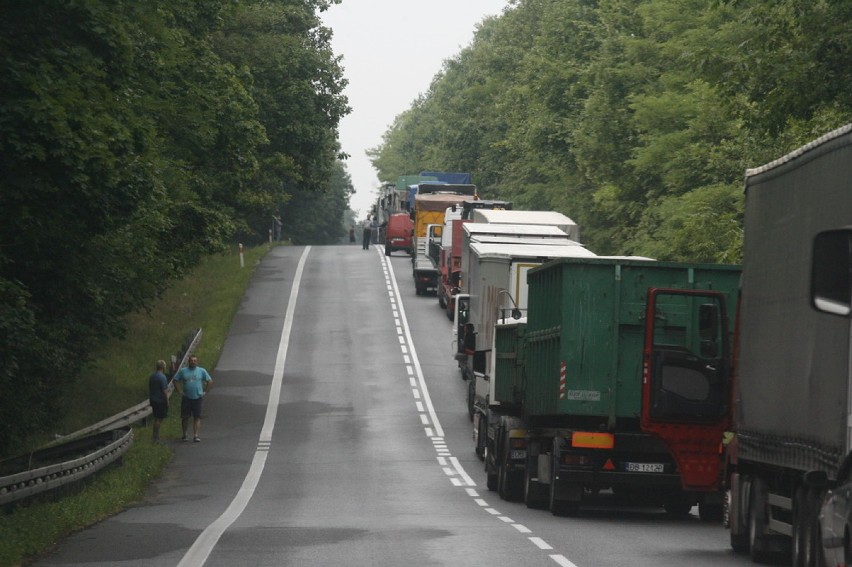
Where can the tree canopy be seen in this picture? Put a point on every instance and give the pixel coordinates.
(135, 138)
(636, 118)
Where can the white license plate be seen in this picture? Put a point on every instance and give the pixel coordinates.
(644, 467)
(517, 454)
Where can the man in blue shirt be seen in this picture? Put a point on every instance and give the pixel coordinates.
(192, 382)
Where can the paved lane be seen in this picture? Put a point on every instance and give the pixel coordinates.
(370, 461)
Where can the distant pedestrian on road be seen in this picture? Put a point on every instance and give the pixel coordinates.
(193, 382)
(352, 233)
(367, 227)
(158, 397)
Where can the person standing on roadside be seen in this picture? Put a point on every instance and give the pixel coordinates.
(192, 382)
(158, 397)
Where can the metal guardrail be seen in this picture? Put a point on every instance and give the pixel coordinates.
(27, 483)
(114, 430)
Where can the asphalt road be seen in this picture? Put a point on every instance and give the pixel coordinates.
(337, 434)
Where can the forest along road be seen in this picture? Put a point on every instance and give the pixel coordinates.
(337, 434)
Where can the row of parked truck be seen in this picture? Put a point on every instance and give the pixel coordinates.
(662, 383)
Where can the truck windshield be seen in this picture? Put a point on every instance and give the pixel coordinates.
(688, 378)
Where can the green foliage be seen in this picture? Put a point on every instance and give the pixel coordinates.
(135, 139)
(636, 118)
(206, 297)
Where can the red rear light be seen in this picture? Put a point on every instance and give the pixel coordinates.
(577, 460)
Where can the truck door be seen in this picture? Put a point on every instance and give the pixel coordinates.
(686, 379)
(461, 318)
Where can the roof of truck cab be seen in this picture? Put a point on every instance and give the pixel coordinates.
(437, 201)
(538, 230)
(503, 216)
(530, 250)
(523, 240)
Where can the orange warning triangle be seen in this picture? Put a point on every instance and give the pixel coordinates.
(608, 466)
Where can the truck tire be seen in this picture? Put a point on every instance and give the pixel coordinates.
(535, 495)
(801, 512)
(481, 440)
(812, 552)
(759, 542)
(739, 540)
(560, 507)
(509, 486)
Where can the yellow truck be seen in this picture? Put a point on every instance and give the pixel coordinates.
(431, 202)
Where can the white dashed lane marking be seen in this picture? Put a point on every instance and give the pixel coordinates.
(428, 418)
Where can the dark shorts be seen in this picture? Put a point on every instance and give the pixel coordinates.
(160, 410)
(190, 407)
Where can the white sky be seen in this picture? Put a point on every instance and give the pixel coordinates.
(392, 49)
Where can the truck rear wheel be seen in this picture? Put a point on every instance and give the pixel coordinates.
(560, 507)
(509, 485)
(806, 530)
(736, 500)
(760, 543)
(535, 495)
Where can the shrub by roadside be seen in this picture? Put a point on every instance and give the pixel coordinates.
(207, 298)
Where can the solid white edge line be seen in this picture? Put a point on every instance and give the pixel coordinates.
(202, 547)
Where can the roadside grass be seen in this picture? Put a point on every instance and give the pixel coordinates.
(206, 298)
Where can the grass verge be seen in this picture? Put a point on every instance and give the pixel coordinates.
(207, 298)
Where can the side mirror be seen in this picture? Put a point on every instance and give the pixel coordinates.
(831, 264)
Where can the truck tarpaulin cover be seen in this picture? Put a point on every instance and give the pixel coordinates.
(788, 413)
(438, 201)
(448, 177)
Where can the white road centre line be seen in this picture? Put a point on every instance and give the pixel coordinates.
(462, 473)
(202, 547)
(561, 560)
(413, 352)
(540, 543)
(458, 476)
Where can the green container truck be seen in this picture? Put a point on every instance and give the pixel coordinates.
(619, 379)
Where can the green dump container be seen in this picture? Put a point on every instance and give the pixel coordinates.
(584, 338)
